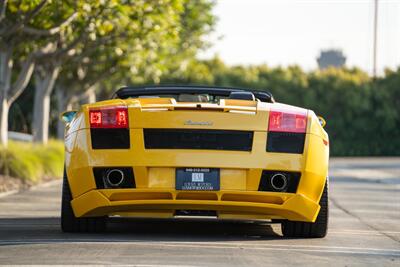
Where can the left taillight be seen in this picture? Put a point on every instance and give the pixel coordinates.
(110, 117)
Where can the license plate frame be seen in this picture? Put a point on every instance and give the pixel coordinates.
(197, 179)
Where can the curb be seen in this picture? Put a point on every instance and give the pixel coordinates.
(11, 192)
(34, 187)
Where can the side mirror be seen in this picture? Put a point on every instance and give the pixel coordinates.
(67, 116)
(321, 121)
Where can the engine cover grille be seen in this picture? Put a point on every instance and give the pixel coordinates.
(198, 139)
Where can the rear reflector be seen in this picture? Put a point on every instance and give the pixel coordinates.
(110, 117)
(287, 121)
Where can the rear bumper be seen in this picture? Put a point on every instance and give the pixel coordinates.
(228, 204)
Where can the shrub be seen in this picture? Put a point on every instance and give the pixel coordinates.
(32, 162)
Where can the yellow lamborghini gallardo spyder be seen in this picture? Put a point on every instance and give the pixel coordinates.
(171, 151)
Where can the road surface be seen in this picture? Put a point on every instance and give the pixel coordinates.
(364, 230)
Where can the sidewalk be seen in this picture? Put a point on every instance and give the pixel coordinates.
(379, 169)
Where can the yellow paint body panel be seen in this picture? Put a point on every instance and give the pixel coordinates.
(154, 169)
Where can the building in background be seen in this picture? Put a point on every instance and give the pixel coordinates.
(331, 58)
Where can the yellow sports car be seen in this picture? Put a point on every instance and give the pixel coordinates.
(171, 151)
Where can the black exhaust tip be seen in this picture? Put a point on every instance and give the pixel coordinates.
(114, 177)
(279, 181)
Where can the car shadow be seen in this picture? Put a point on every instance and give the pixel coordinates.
(47, 230)
(196, 229)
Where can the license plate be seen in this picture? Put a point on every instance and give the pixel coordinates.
(201, 179)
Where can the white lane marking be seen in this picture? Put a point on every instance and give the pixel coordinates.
(395, 253)
(157, 265)
(362, 234)
(342, 250)
(395, 212)
(312, 248)
(370, 174)
(362, 231)
(375, 205)
(395, 220)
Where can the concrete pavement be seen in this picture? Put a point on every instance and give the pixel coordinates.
(364, 230)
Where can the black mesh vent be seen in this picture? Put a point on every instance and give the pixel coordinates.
(101, 182)
(285, 142)
(198, 139)
(110, 138)
(293, 179)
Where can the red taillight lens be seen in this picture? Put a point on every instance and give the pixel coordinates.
(95, 118)
(122, 118)
(287, 121)
(111, 117)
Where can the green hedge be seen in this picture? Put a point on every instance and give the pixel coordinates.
(362, 113)
(32, 161)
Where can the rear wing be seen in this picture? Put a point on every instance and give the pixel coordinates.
(132, 92)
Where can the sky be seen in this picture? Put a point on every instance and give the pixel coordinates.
(287, 32)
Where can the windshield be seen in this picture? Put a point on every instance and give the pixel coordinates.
(202, 98)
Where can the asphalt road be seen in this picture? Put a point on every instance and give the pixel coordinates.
(364, 230)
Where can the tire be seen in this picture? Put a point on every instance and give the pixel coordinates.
(318, 229)
(71, 224)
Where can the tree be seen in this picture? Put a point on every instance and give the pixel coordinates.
(22, 29)
(162, 40)
(139, 30)
(93, 19)
(104, 44)
(180, 62)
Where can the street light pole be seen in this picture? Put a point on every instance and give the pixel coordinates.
(375, 52)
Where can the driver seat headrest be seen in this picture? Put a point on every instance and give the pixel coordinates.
(242, 95)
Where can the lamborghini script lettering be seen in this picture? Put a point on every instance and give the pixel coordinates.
(198, 123)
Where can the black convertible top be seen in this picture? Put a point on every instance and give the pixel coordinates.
(128, 91)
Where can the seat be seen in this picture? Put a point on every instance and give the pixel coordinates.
(242, 95)
(189, 98)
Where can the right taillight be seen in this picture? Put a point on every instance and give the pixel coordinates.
(286, 131)
(287, 121)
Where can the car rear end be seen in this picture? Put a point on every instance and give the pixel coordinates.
(159, 158)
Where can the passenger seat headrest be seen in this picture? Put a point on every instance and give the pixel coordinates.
(242, 95)
(189, 98)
